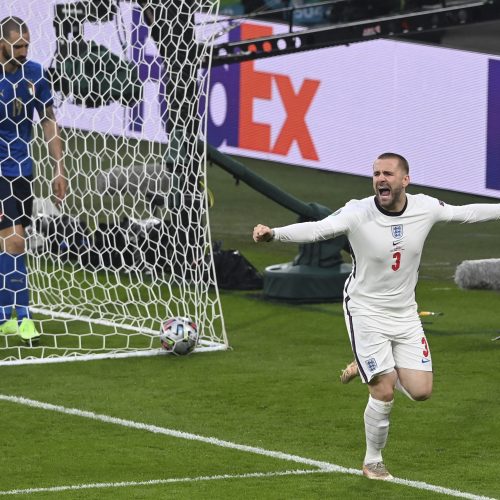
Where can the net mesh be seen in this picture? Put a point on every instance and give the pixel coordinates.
(130, 245)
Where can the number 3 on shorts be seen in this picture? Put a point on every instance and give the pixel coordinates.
(397, 261)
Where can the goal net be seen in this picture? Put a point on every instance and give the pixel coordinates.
(130, 245)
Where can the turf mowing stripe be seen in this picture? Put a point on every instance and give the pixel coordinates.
(323, 466)
(179, 434)
(420, 485)
(153, 482)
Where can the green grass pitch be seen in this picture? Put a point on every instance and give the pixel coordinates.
(277, 390)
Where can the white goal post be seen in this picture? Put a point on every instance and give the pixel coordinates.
(130, 246)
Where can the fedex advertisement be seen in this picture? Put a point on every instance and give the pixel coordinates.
(338, 108)
(335, 108)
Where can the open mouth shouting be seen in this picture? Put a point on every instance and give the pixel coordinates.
(384, 194)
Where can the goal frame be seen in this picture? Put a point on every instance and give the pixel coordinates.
(183, 85)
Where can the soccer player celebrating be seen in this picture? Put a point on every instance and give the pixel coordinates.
(23, 88)
(386, 233)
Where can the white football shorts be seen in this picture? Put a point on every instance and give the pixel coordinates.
(381, 344)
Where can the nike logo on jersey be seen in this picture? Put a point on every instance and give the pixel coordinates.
(425, 360)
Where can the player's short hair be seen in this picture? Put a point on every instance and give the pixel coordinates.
(12, 23)
(403, 162)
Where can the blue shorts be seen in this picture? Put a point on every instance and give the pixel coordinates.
(16, 201)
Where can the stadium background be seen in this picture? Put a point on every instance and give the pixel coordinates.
(277, 389)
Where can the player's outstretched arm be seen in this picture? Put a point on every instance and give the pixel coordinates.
(300, 232)
(262, 233)
(476, 212)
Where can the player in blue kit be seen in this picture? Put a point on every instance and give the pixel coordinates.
(23, 89)
(386, 233)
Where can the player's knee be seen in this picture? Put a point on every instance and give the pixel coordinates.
(385, 396)
(422, 393)
(382, 390)
(421, 396)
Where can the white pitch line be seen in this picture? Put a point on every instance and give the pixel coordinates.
(322, 466)
(154, 482)
(179, 434)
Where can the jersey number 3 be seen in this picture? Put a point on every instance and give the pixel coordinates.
(397, 261)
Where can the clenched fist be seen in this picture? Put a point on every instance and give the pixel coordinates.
(262, 233)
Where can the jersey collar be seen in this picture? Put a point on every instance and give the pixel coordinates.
(386, 212)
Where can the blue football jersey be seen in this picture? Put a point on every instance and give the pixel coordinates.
(21, 93)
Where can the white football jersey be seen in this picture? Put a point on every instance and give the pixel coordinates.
(386, 247)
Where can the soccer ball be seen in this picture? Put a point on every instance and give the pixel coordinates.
(179, 335)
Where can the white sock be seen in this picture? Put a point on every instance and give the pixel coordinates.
(376, 428)
(401, 389)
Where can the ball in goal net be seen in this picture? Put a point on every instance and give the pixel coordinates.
(130, 245)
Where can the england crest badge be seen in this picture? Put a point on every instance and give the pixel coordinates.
(397, 231)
